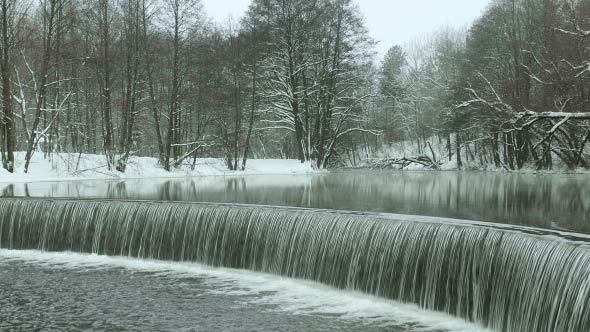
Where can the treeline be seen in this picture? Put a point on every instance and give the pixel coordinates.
(158, 78)
(512, 91)
(291, 79)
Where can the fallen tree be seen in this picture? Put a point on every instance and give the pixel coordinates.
(404, 162)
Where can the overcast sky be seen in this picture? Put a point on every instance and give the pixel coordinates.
(391, 22)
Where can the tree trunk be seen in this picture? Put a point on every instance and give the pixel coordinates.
(31, 144)
(458, 148)
(108, 143)
(132, 72)
(7, 125)
(252, 112)
(173, 130)
(150, 78)
(449, 147)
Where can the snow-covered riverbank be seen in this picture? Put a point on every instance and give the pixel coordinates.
(65, 167)
(399, 156)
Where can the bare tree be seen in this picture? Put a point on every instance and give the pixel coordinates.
(182, 16)
(132, 12)
(49, 12)
(7, 123)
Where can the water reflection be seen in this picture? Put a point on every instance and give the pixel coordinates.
(549, 201)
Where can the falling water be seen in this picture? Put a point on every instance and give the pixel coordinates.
(504, 279)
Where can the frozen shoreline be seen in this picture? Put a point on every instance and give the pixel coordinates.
(75, 167)
(488, 169)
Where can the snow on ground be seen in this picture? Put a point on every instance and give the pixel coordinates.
(439, 150)
(65, 167)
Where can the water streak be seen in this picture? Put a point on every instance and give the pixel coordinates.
(502, 279)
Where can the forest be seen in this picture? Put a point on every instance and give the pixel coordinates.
(295, 79)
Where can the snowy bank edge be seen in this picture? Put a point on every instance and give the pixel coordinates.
(92, 167)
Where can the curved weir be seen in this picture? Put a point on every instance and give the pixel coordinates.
(507, 280)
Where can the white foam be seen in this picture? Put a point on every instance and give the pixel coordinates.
(289, 295)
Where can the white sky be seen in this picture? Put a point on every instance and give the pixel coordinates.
(391, 22)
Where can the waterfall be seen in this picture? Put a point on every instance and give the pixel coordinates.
(504, 279)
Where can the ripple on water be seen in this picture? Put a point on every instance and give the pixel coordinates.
(68, 291)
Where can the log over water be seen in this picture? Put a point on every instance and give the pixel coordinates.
(503, 279)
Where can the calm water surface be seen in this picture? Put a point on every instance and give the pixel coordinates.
(558, 201)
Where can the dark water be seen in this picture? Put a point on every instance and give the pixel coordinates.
(43, 292)
(72, 292)
(466, 270)
(558, 201)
